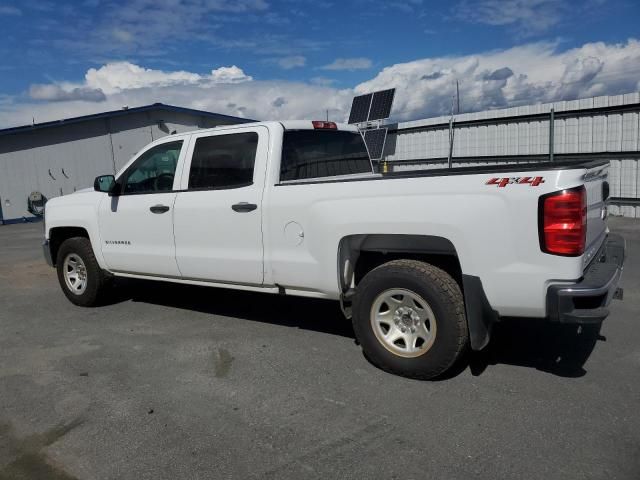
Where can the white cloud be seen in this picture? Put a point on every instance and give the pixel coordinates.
(529, 16)
(360, 63)
(527, 74)
(230, 74)
(56, 93)
(235, 5)
(10, 10)
(405, 6)
(324, 81)
(122, 35)
(152, 28)
(279, 102)
(257, 100)
(118, 76)
(292, 62)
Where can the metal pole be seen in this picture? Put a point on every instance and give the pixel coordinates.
(113, 153)
(552, 124)
(450, 142)
(453, 99)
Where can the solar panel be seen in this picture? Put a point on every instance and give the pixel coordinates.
(374, 140)
(381, 104)
(360, 108)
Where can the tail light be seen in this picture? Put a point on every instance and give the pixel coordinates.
(563, 222)
(322, 125)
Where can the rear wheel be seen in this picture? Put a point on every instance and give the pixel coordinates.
(82, 280)
(409, 318)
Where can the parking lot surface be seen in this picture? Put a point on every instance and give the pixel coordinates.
(178, 382)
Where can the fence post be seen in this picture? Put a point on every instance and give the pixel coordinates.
(552, 124)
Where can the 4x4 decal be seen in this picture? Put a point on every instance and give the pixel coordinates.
(503, 182)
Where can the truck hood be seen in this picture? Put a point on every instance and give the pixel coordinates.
(86, 196)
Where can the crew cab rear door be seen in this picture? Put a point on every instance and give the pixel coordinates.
(218, 211)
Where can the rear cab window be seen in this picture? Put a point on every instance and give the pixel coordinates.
(316, 154)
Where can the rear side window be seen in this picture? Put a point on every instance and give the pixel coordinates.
(223, 161)
(317, 153)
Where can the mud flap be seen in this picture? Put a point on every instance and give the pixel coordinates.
(480, 315)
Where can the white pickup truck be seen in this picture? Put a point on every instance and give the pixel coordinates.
(424, 262)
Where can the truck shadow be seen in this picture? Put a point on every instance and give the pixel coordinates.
(557, 349)
(560, 350)
(305, 313)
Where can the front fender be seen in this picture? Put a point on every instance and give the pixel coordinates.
(79, 210)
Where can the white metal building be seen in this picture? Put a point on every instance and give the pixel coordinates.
(604, 127)
(57, 158)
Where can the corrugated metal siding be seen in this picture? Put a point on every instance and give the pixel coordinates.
(55, 161)
(129, 134)
(59, 160)
(601, 132)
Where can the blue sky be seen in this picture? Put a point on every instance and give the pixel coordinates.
(290, 47)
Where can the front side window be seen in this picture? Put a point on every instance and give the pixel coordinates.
(154, 170)
(223, 161)
(322, 153)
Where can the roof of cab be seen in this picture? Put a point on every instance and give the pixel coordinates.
(286, 124)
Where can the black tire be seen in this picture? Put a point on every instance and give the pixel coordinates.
(97, 280)
(442, 294)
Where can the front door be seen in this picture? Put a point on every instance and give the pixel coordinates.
(136, 227)
(218, 212)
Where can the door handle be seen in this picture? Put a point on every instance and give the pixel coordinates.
(159, 209)
(244, 207)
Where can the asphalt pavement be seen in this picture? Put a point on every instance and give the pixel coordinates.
(177, 382)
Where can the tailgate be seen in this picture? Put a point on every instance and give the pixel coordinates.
(597, 186)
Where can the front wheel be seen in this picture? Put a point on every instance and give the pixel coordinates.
(409, 318)
(81, 278)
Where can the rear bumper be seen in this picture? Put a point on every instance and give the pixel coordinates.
(586, 301)
(46, 250)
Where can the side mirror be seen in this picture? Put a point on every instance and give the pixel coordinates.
(105, 184)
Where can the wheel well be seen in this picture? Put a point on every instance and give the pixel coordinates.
(58, 235)
(359, 254)
(370, 260)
